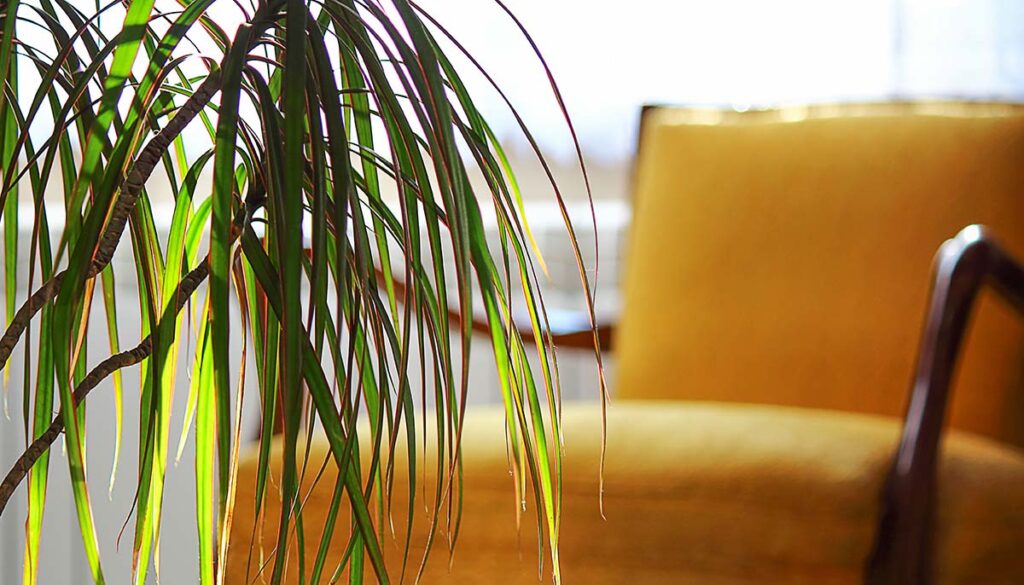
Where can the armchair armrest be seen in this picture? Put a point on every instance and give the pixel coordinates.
(963, 265)
(567, 328)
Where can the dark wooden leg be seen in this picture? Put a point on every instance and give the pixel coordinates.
(902, 551)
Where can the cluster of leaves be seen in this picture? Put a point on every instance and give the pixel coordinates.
(349, 96)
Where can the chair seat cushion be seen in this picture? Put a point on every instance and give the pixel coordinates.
(693, 492)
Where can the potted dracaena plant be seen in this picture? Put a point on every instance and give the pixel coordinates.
(303, 116)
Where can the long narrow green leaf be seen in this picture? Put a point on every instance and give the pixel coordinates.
(206, 421)
(42, 389)
(288, 208)
(365, 147)
(8, 159)
(9, 14)
(224, 189)
(110, 308)
(338, 438)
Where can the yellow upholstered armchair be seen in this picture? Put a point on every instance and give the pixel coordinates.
(769, 424)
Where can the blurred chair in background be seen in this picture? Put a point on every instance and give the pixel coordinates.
(776, 289)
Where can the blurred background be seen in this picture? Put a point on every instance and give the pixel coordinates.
(612, 57)
(609, 58)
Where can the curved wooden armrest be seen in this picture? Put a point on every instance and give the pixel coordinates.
(567, 328)
(964, 265)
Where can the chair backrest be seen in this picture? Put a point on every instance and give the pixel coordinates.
(784, 256)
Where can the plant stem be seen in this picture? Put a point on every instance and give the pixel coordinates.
(130, 190)
(136, 178)
(186, 287)
(126, 358)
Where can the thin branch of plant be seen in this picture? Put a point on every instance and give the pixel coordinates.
(107, 367)
(360, 154)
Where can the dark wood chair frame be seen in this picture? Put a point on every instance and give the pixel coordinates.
(963, 266)
(902, 551)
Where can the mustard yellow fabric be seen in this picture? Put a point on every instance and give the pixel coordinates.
(777, 260)
(708, 493)
(784, 257)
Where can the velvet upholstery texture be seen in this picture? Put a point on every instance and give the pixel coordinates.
(775, 290)
(694, 493)
(792, 248)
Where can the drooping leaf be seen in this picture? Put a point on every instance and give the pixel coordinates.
(342, 133)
